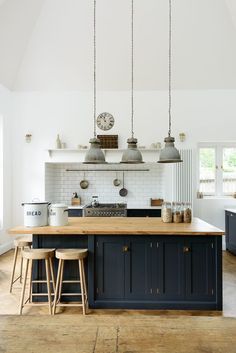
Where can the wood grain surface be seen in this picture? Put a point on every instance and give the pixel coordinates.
(123, 225)
(117, 334)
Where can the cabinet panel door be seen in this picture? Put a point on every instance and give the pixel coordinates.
(143, 213)
(200, 265)
(232, 230)
(168, 268)
(138, 268)
(109, 267)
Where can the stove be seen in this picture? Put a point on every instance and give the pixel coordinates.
(106, 210)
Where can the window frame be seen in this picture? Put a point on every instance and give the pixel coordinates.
(218, 147)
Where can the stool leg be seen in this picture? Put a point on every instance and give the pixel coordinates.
(21, 264)
(57, 286)
(82, 286)
(48, 286)
(61, 279)
(23, 288)
(52, 275)
(13, 268)
(30, 280)
(85, 284)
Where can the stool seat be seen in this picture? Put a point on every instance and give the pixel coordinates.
(71, 254)
(38, 254)
(21, 242)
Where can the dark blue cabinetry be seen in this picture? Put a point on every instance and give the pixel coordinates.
(161, 272)
(75, 212)
(230, 231)
(144, 271)
(133, 212)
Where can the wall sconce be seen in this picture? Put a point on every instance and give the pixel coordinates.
(28, 138)
(182, 136)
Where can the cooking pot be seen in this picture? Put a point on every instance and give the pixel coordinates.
(35, 213)
(58, 215)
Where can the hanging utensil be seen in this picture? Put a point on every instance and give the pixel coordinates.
(116, 181)
(84, 183)
(123, 192)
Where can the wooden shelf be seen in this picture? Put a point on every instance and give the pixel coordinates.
(83, 150)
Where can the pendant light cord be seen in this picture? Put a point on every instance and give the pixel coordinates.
(94, 69)
(132, 68)
(170, 66)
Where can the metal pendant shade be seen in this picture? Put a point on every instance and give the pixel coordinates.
(94, 155)
(132, 155)
(170, 154)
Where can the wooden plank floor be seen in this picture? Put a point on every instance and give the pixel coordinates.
(116, 331)
(117, 334)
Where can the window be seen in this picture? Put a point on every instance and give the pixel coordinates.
(217, 169)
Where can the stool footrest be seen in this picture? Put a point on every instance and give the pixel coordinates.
(70, 281)
(70, 294)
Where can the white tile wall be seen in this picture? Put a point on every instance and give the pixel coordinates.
(60, 184)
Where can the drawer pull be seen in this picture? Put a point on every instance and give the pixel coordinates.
(125, 248)
(187, 249)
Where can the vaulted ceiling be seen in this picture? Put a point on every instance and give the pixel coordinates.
(47, 44)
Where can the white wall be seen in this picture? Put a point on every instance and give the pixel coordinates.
(7, 126)
(47, 44)
(202, 115)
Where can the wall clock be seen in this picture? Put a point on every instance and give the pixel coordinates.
(105, 121)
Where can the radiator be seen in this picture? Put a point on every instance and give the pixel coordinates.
(183, 177)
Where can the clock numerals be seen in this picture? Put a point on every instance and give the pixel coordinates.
(105, 121)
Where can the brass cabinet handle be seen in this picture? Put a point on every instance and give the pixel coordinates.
(186, 249)
(125, 248)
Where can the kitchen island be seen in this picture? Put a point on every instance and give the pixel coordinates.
(141, 263)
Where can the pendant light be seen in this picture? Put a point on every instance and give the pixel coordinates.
(94, 155)
(170, 154)
(132, 155)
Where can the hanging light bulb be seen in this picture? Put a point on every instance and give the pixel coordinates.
(132, 153)
(170, 154)
(94, 155)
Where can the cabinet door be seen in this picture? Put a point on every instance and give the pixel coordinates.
(143, 213)
(231, 234)
(200, 265)
(138, 267)
(109, 267)
(168, 268)
(75, 212)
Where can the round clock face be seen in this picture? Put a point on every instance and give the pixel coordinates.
(105, 121)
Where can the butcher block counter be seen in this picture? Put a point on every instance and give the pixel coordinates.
(124, 225)
(139, 263)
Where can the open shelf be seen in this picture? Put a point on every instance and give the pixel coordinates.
(106, 150)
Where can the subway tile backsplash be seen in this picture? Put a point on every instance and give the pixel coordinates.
(60, 184)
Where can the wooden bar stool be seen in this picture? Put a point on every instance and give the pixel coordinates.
(68, 255)
(20, 244)
(38, 254)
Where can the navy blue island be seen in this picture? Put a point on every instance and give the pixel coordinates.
(140, 263)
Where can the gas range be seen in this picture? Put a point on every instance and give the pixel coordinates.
(106, 210)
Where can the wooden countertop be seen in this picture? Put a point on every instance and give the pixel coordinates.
(124, 225)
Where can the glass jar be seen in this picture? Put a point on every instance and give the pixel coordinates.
(166, 212)
(177, 213)
(187, 212)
